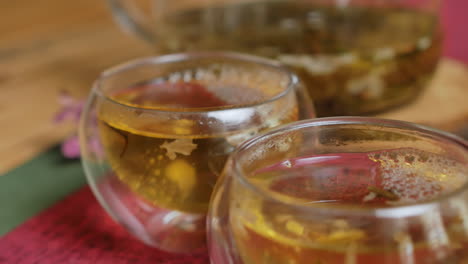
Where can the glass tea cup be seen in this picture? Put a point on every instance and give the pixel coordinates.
(354, 56)
(156, 132)
(343, 191)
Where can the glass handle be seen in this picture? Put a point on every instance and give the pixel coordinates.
(131, 18)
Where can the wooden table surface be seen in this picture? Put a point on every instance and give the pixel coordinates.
(48, 46)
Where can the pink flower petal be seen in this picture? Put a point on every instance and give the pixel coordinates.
(71, 110)
(71, 148)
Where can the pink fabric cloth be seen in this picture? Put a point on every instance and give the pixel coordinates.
(77, 230)
(455, 21)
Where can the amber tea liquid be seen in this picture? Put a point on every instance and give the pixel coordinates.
(173, 164)
(263, 235)
(353, 60)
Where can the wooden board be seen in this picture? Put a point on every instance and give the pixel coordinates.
(64, 45)
(55, 46)
(444, 103)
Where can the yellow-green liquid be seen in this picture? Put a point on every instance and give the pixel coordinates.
(353, 60)
(172, 163)
(265, 233)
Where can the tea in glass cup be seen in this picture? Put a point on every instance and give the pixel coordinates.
(355, 56)
(156, 133)
(343, 191)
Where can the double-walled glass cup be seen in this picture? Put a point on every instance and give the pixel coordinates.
(343, 191)
(156, 133)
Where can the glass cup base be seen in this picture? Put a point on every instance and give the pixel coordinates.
(165, 229)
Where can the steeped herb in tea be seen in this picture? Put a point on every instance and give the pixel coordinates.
(353, 60)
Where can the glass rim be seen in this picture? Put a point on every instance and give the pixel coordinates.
(293, 80)
(393, 211)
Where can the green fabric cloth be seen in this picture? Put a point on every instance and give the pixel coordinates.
(36, 185)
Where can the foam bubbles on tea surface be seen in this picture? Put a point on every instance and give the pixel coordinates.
(378, 178)
(243, 85)
(415, 176)
(229, 84)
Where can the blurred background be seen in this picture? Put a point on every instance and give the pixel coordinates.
(48, 47)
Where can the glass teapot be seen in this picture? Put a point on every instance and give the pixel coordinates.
(354, 56)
